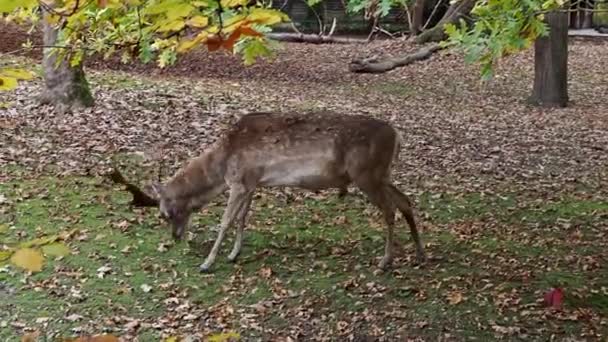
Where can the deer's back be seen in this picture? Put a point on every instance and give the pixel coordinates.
(269, 130)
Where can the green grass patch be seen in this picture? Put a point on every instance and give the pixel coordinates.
(313, 258)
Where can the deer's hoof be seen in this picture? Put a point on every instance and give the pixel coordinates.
(233, 258)
(421, 258)
(204, 268)
(385, 263)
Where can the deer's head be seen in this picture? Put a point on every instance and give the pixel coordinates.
(173, 209)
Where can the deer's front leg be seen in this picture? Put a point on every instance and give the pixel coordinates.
(236, 201)
(238, 241)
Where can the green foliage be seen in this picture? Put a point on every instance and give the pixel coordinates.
(379, 8)
(148, 29)
(500, 28)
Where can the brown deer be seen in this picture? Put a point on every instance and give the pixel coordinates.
(311, 151)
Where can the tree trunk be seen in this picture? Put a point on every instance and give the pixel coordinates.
(452, 15)
(65, 86)
(417, 16)
(551, 63)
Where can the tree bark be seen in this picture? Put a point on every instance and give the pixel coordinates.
(551, 63)
(417, 16)
(65, 86)
(452, 15)
(375, 66)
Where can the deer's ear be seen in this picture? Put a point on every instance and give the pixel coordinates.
(159, 189)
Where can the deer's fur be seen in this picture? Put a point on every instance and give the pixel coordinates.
(310, 151)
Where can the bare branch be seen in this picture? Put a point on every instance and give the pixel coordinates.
(333, 27)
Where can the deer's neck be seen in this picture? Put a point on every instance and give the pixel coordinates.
(203, 174)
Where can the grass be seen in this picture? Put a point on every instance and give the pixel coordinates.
(307, 254)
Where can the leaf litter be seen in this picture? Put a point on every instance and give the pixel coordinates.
(461, 138)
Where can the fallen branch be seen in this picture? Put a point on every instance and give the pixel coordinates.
(312, 38)
(320, 38)
(140, 198)
(375, 66)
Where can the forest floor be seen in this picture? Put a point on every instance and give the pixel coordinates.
(511, 200)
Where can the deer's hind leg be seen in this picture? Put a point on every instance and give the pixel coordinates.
(405, 206)
(377, 194)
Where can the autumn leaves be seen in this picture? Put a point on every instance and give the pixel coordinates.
(30, 255)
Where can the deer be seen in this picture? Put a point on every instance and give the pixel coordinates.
(311, 151)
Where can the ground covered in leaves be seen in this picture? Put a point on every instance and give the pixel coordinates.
(511, 200)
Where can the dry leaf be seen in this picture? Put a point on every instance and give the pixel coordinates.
(29, 259)
(265, 272)
(455, 297)
(96, 338)
(30, 337)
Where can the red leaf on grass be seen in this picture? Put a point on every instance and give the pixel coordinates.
(554, 298)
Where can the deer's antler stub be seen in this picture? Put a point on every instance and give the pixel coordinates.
(140, 198)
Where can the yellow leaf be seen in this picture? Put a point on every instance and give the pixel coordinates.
(233, 3)
(171, 339)
(198, 21)
(172, 26)
(266, 16)
(28, 258)
(4, 255)
(7, 83)
(186, 45)
(224, 337)
(179, 11)
(97, 338)
(234, 23)
(19, 74)
(39, 241)
(199, 4)
(56, 249)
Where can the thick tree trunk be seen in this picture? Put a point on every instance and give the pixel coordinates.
(551, 63)
(452, 15)
(375, 66)
(65, 86)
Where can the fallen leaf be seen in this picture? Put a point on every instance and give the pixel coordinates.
(265, 272)
(39, 241)
(96, 338)
(554, 298)
(30, 337)
(29, 259)
(455, 297)
(103, 270)
(74, 317)
(146, 288)
(4, 255)
(56, 249)
(224, 337)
